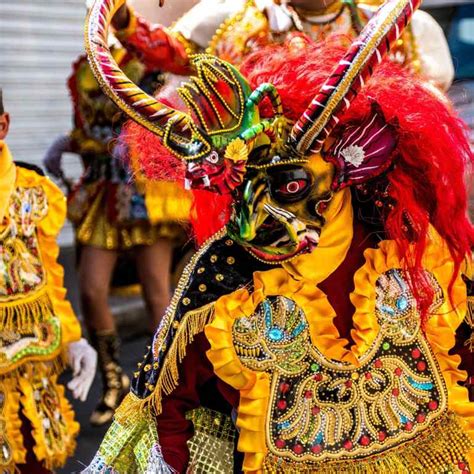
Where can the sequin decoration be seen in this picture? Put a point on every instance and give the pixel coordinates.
(44, 394)
(21, 269)
(322, 409)
(212, 446)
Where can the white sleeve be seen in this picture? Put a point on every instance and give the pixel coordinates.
(435, 59)
(199, 24)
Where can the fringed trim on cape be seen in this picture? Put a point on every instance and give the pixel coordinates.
(192, 324)
(21, 316)
(444, 445)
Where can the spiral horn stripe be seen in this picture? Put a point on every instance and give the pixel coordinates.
(349, 76)
(131, 99)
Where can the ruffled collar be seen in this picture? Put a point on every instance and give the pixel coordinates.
(255, 386)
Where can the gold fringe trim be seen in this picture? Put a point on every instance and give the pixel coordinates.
(443, 446)
(22, 316)
(193, 323)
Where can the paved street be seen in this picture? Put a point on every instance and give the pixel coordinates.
(90, 436)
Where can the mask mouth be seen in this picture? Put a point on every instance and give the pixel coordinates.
(214, 177)
(274, 242)
(197, 177)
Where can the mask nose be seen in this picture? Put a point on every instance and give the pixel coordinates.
(251, 213)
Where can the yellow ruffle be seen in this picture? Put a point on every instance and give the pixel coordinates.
(10, 415)
(48, 230)
(254, 387)
(440, 328)
(53, 453)
(334, 243)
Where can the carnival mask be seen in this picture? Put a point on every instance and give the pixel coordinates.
(281, 209)
(282, 176)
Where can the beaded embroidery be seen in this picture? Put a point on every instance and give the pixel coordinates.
(322, 409)
(21, 270)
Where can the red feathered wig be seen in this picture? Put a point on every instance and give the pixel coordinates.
(427, 183)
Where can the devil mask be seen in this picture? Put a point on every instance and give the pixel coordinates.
(283, 174)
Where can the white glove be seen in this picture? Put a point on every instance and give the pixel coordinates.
(83, 361)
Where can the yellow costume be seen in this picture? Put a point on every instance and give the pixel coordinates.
(36, 321)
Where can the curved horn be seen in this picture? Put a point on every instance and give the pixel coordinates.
(177, 128)
(337, 93)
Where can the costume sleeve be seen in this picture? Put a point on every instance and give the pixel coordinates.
(52, 159)
(156, 46)
(201, 22)
(174, 430)
(435, 59)
(48, 229)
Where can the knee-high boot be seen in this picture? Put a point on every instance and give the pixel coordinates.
(115, 384)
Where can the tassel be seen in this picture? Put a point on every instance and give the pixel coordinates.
(22, 316)
(192, 324)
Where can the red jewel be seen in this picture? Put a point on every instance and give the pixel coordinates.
(421, 418)
(364, 440)
(308, 394)
(378, 364)
(382, 436)
(318, 377)
(348, 445)
(433, 405)
(408, 426)
(281, 404)
(461, 466)
(398, 371)
(316, 449)
(284, 387)
(395, 392)
(298, 449)
(348, 383)
(368, 375)
(416, 353)
(279, 443)
(315, 410)
(421, 366)
(465, 472)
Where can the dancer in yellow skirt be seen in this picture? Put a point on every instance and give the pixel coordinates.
(115, 212)
(39, 332)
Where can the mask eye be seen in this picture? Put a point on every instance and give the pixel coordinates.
(213, 158)
(293, 187)
(290, 185)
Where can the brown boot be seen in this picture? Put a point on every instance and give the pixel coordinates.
(114, 382)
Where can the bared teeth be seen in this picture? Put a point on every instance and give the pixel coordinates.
(187, 184)
(206, 180)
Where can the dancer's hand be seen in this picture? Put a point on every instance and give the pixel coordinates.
(83, 361)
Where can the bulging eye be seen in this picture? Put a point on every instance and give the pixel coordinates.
(213, 158)
(293, 187)
(290, 185)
